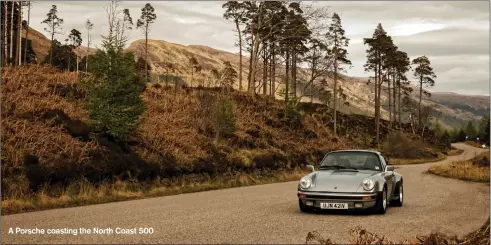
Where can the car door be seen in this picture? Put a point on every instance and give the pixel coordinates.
(389, 176)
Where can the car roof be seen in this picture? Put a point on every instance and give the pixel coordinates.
(377, 152)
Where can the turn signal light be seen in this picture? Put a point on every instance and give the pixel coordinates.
(367, 198)
(302, 196)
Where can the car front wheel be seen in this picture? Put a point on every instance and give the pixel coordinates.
(399, 196)
(381, 204)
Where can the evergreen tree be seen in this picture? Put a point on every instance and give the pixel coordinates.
(75, 39)
(235, 11)
(337, 45)
(114, 89)
(424, 73)
(60, 56)
(446, 140)
(147, 18)
(53, 22)
(378, 44)
(471, 131)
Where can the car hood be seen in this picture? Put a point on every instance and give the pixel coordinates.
(339, 180)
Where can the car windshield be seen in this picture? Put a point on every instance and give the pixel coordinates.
(351, 160)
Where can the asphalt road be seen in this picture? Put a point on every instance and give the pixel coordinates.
(265, 214)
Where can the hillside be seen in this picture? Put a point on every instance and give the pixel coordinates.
(46, 136)
(455, 109)
(41, 45)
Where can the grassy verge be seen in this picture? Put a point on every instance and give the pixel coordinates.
(475, 169)
(475, 144)
(359, 235)
(455, 152)
(403, 161)
(84, 193)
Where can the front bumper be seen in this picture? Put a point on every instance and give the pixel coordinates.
(354, 200)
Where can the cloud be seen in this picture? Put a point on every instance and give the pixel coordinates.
(454, 35)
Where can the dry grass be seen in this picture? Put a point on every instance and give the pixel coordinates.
(455, 152)
(475, 144)
(402, 161)
(169, 144)
(360, 235)
(84, 193)
(475, 169)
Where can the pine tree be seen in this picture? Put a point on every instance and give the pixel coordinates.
(75, 39)
(235, 12)
(147, 18)
(54, 23)
(114, 89)
(378, 44)
(424, 73)
(471, 131)
(337, 44)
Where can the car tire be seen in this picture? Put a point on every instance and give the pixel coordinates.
(400, 195)
(381, 205)
(303, 207)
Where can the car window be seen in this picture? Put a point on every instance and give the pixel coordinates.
(353, 159)
(384, 160)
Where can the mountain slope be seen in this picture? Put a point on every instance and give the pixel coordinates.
(41, 45)
(455, 109)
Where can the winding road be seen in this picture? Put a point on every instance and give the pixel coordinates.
(266, 214)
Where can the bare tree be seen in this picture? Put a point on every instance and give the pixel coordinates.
(88, 27)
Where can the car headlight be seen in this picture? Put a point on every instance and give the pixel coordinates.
(305, 182)
(368, 184)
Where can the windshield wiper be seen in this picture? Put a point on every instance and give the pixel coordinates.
(335, 166)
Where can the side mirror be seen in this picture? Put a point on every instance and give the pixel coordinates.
(389, 168)
(310, 168)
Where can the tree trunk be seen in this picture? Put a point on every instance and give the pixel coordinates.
(146, 53)
(287, 74)
(399, 102)
(249, 76)
(390, 105)
(11, 33)
(377, 103)
(265, 71)
(18, 53)
(394, 98)
(51, 49)
(335, 91)
(87, 56)
(294, 74)
(27, 29)
(69, 59)
(273, 72)
(77, 65)
(420, 97)
(5, 38)
(240, 54)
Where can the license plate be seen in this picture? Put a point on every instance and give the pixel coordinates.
(334, 205)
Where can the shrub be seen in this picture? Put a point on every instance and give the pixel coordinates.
(399, 146)
(223, 118)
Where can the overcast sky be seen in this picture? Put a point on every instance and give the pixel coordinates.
(454, 35)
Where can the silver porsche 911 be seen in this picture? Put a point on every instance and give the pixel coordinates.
(351, 179)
